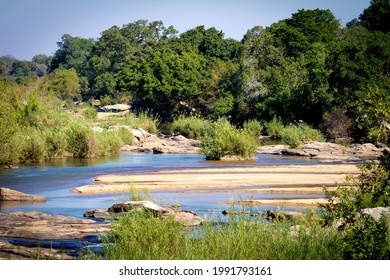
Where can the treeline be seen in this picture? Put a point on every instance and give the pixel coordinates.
(305, 68)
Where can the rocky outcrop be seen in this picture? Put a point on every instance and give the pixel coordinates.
(43, 226)
(184, 217)
(7, 194)
(9, 251)
(36, 235)
(376, 213)
(325, 151)
(150, 143)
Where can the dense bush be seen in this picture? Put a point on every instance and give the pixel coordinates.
(296, 135)
(81, 141)
(363, 237)
(253, 127)
(193, 127)
(226, 140)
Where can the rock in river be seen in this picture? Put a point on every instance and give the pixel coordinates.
(7, 194)
(184, 217)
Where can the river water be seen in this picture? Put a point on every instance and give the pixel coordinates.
(55, 179)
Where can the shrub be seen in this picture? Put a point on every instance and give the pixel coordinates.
(193, 127)
(275, 128)
(81, 141)
(32, 145)
(253, 127)
(108, 143)
(226, 140)
(90, 113)
(363, 237)
(296, 135)
(55, 143)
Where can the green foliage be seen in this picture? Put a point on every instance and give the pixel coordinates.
(90, 113)
(81, 141)
(363, 237)
(193, 127)
(226, 140)
(275, 128)
(374, 17)
(142, 236)
(65, 84)
(253, 127)
(296, 135)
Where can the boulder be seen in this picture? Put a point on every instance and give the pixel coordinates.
(7, 194)
(115, 108)
(129, 206)
(279, 216)
(375, 213)
(99, 214)
(185, 217)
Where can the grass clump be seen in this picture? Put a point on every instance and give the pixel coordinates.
(253, 127)
(226, 140)
(293, 135)
(193, 127)
(296, 135)
(142, 236)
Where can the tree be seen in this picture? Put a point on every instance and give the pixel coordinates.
(72, 53)
(305, 27)
(65, 84)
(376, 16)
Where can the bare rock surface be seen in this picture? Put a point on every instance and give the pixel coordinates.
(150, 143)
(7, 194)
(184, 217)
(326, 151)
(43, 226)
(376, 213)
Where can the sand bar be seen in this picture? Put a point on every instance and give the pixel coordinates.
(204, 178)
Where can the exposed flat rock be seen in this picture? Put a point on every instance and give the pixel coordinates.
(326, 151)
(43, 226)
(306, 202)
(9, 251)
(7, 194)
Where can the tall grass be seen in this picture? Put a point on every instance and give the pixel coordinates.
(293, 135)
(296, 135)
(226, 140)
(193, 127)
(144, 237)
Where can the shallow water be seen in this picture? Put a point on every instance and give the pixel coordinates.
(55, 179)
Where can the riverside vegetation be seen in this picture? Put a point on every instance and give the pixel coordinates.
(144, 236)
(291, 80)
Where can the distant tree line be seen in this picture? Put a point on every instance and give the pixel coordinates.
(305, 68)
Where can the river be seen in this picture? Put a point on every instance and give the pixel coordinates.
(55, 179)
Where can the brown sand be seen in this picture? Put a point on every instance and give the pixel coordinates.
(296, 176)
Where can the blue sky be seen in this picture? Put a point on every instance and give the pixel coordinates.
(30, 27)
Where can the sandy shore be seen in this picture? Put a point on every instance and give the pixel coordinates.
(293, 178)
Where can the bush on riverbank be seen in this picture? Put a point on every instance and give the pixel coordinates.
(363, 237)
(226, 140)
(293, 135)
(193, 127)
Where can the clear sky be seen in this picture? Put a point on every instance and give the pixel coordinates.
(30, 27)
